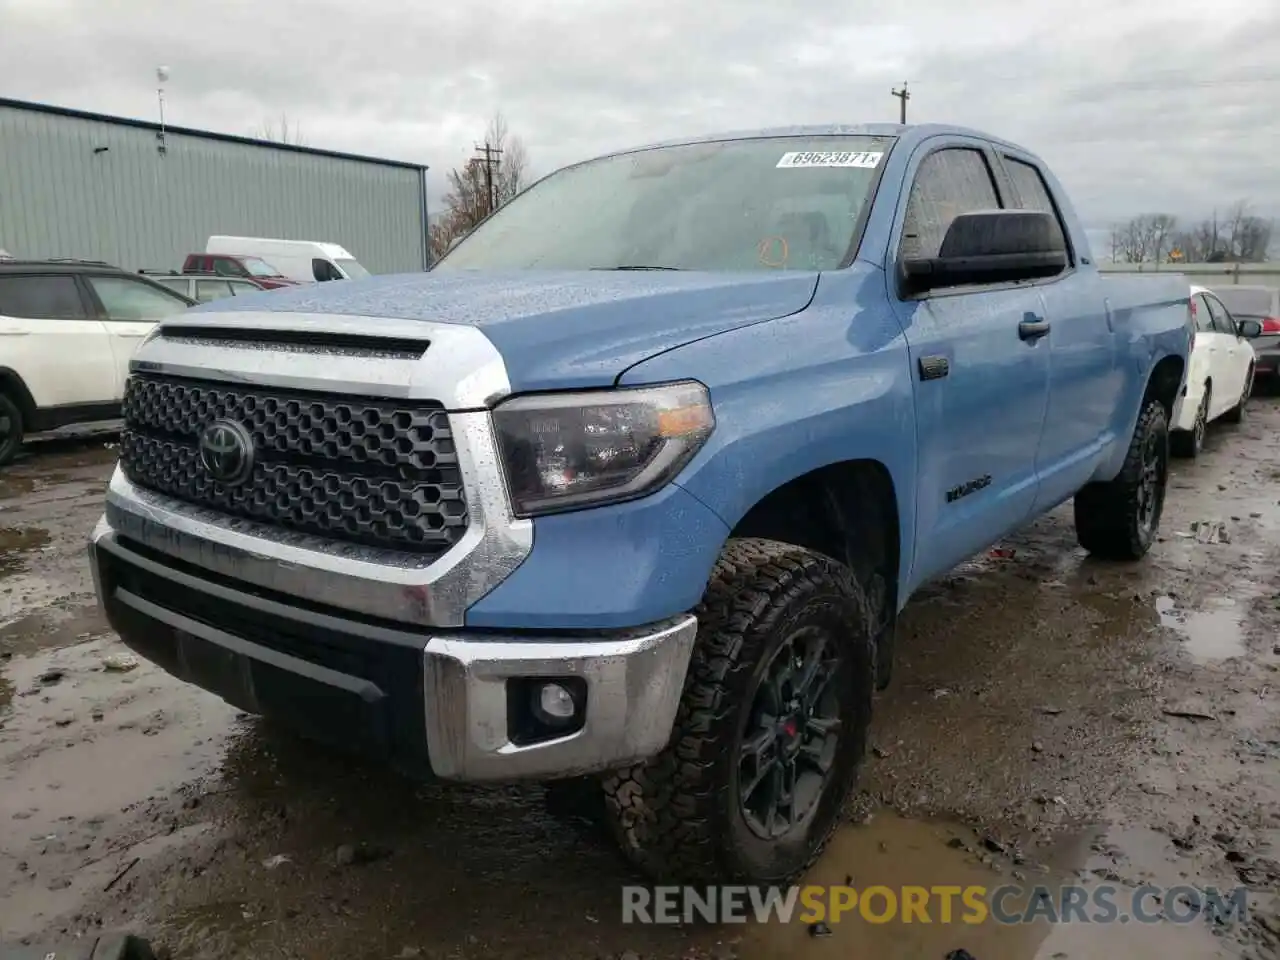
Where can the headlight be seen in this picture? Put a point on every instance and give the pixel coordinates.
(568, 450)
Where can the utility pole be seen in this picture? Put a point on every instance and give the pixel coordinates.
(489, 157)
(903, 96)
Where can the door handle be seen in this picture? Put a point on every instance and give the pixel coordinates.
(1032, 328)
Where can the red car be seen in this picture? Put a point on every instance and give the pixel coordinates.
(233, 265)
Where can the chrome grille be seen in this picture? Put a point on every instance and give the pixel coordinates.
(378, 472)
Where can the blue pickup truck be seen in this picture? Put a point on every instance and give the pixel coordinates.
(635, 482)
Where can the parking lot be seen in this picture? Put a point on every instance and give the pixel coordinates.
(1051, 716)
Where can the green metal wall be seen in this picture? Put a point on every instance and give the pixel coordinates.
(63, 195)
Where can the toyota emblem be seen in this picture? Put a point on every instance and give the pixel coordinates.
(226, 450)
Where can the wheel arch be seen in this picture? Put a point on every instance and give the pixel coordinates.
(847, 510)
(11, 383)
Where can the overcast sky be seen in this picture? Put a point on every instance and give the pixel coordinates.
(1175, 108)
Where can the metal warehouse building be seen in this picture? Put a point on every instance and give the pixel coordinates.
(75, 184)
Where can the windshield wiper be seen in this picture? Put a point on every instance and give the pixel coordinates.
(636, 266)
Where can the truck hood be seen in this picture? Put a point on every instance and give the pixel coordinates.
(557, 330)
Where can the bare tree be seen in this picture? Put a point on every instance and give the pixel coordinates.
(466, 201)
(1145, 238)
(281, 130)
(1238, 236)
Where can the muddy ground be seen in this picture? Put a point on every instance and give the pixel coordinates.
(1052, 719)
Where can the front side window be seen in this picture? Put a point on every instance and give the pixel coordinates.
(227, 268)
(207, 290)
(949, 182)
(1222, 321)
(41, 297)
(124, 299)
(766, 203)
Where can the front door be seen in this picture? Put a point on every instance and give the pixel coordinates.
(1230, 358)
(981, 383)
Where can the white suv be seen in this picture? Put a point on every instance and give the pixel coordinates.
(67, 331)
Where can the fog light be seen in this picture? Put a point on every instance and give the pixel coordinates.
(553, 704)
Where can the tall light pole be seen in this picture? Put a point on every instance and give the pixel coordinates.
(162, 75)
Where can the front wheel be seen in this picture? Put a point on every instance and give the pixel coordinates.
(771, 729)
(1118, 520)
(11, 429)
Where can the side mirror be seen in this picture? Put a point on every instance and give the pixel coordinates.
(1249, 329)
(991, 246)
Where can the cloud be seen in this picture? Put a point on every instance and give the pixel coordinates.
(1166, 107)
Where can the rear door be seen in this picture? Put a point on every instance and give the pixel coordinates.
(981, 389)
(130, 308)
(53, 340)
(1084, 376)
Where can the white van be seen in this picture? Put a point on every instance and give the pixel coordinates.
(301, 260)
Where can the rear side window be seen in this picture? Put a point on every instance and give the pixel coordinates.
(949, 182)
(41, 298)
(1033, 193)
(125, 299)
(207, 290)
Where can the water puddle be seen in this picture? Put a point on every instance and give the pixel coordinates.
(896, 854)
(1214, 632)
(16, 544)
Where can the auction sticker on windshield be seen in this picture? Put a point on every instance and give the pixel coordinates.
(829, 159)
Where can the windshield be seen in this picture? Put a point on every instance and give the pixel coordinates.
(259, 268)
(352, 269)
(762, 204)
(1253, 304)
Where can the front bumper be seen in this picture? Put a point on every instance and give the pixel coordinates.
(430, 703)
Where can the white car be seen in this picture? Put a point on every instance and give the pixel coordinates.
(67, 332)
(1220, 377)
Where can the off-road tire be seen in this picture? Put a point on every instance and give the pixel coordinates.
(1236, 413)
(1108, 515)
(678, 816)
(11, 442)
(1188, 443)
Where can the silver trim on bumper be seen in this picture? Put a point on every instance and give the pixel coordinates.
(634, 684)
(634, 680)
(384, 583)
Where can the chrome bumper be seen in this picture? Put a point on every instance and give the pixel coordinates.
(634, 683)
(634, 679)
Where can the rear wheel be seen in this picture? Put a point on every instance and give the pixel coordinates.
(1236, 413)
(771, 728)
(11, 429)
(1118, 520)
(1189, 443)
